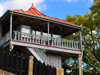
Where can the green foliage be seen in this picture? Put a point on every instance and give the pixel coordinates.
(91, 40)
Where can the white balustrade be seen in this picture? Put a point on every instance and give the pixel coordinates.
(38, 39)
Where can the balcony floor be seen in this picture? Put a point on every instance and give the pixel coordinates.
(44, 47)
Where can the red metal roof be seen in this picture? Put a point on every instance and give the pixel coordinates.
(34, 11)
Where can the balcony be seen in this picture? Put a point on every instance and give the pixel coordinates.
(41, 40)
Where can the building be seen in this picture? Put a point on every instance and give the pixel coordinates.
(34, 33)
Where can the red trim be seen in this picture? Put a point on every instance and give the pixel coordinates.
(47, 45)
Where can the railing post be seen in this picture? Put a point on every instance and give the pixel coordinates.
(30, 69)
(15, 35)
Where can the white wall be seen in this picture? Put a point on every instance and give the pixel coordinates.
(55, 59)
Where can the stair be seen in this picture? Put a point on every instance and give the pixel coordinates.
(41, 56)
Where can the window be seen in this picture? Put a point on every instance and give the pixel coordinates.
(25, 30)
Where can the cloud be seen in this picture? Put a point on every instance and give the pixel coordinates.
(91, 0)
(77, 0)
(21, 4)
(73, 0)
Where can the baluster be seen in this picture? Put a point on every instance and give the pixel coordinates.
(21, 36)
(15, 35)
(18, 35)
(38, 39)
(41, 39)
(72, 44)
(57, 41)
(27, 37)
(77, 45)
(51, 41)
(30, 37)
(62, 42)
(54, 41)
(24, 36)
(33, 38)
(67, 44)
(44, 40)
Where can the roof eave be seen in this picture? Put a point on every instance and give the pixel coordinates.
(39, 17)
(46, 19)
(4, 15)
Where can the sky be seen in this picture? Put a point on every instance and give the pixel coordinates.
(53, 8)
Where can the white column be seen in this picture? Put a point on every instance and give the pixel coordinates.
(0, 34)
(80, 56)
(11, 26)
(80, 36)
(48, 33)
(11, 30)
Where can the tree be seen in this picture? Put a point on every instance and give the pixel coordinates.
(91, 38)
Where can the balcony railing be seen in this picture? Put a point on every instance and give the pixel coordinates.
(38, 39)
(5, 38)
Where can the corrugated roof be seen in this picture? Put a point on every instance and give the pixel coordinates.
(34, 11)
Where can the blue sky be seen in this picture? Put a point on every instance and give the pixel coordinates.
(53, 8)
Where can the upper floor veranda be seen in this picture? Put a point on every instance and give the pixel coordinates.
(24, 29)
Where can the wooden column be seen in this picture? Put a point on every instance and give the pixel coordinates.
(52, 32)
(61, 35)
(41, 30)
(30, 69)
(80, 64)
